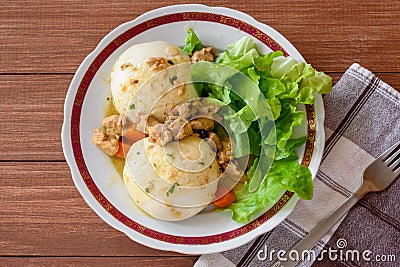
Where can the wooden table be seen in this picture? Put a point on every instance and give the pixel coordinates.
(44, 221)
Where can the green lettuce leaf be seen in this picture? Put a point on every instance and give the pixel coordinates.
(241, 120)
(284, 175)
(251, 72)
(300, 79)
(237, 50)
(289, 118)
(289, 148)
(281, 82)
(283, 67)
(192, 43)
(264, 62)
(247, 143)
(320, 83)
(240, 54)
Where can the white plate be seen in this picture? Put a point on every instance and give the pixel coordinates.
(93, 172)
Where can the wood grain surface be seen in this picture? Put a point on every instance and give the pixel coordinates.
(54, 36)
(44, 221)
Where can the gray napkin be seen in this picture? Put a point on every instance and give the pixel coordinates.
(362, 121)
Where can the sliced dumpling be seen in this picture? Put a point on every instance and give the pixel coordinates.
(138, 64)
(169, 191)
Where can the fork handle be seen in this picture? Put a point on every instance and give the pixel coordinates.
(320, 230)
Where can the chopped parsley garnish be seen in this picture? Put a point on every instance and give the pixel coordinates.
(171, 190)
(125, 66)
(170, 62)
(147, 190)
(137, 153)
(171, 156)
(172, 80)
(201, 163)
(155, 166)
(132, 106)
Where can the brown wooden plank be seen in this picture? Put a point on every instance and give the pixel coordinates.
(42, 213)
(99, 261)
(55, 36)
(32, 114)
(31, 111)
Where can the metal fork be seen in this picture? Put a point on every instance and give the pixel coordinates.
(377, 177)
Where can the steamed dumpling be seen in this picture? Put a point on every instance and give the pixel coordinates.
(164, 190)
(138, 64)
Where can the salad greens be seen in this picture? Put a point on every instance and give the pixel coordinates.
(284, 83)
(192, 43)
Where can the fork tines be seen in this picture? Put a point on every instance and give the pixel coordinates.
(392, 157)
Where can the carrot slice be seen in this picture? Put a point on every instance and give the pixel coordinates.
(131, 135)
(123, 149)
(225, 200)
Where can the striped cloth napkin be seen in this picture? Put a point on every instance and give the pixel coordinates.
(362, 121)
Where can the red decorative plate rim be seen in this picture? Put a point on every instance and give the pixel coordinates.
(76, 142)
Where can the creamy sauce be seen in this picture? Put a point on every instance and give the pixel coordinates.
(118, 162)
(111, 110)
